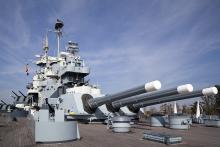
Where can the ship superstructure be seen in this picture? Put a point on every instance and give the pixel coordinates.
(62, 77)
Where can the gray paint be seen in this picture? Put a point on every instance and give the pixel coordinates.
(94, 103)
(55, 131)
(159, 100)
(212, 122)
(181, 122)
(144, 97)
(157, 121)
(121, 124)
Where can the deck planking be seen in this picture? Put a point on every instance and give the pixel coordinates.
(20, 134)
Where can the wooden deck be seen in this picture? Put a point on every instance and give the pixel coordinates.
(20, 133)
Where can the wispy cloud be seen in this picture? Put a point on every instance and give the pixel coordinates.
(127, 43)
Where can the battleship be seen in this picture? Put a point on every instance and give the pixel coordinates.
(59, 96)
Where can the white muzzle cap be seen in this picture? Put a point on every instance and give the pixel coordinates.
(152, 86)
(187, 88)
(210, 91)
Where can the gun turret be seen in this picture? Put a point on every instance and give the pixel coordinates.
(198, 93)
(91, 104)
(116, 105)
(6, 107)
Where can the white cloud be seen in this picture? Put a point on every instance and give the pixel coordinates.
(166, 41)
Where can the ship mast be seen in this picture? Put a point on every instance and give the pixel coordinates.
(45, 45)
(46, 48)
(58, 26)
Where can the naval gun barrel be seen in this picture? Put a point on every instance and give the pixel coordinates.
(148, 87)
(91, 104)
(22, 94)
(4, 102)
(15, 94)
(116, 105)
(25, 98)
(198, 93)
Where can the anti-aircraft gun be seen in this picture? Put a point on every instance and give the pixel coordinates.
(19, 106)
(12, 110)
(4, 107)
(21, 99)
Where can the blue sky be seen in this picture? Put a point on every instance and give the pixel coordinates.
(126, 43)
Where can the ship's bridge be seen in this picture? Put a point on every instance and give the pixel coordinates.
(73, 69)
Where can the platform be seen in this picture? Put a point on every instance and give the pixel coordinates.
(96, 135)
